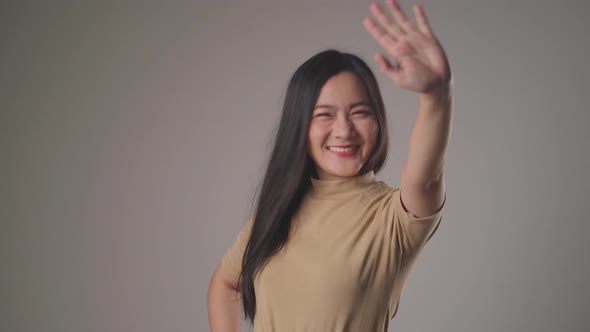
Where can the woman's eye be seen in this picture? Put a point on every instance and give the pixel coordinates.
(361, 113)
(322, 115)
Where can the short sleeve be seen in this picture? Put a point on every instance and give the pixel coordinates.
(232, 259)
(415, 232)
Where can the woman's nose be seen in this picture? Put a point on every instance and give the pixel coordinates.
(343, 127)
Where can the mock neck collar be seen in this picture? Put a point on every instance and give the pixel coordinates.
(340, 187)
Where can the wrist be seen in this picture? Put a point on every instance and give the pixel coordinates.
(438, 94)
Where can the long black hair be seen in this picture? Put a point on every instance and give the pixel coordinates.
(290, 167)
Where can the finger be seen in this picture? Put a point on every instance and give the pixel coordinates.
(385, 21)
(383, 38)
(399, 16)
(422, 20)
(394, 72)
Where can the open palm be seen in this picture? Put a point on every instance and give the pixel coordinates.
(421, 63)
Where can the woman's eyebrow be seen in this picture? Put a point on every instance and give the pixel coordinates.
(360, 103)
(353, 105)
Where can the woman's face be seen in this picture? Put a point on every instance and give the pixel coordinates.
(343, 129)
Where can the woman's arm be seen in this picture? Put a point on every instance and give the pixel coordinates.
(422, 185)
(421, 66)
(224, 303)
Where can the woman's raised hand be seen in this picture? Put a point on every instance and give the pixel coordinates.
(421, 63)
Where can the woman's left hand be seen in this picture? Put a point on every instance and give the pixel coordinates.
(421, 63)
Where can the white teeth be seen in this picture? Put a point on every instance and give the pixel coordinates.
(337, 149)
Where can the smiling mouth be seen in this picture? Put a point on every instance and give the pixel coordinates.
(343, 149)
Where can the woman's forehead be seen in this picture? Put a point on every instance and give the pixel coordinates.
(343, 90)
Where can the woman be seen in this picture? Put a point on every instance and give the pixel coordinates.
(329, 247)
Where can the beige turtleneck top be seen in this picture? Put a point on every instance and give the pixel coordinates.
(351, 249)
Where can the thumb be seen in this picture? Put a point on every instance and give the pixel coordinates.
(394, 72)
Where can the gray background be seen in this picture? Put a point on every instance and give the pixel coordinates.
(133, 137)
